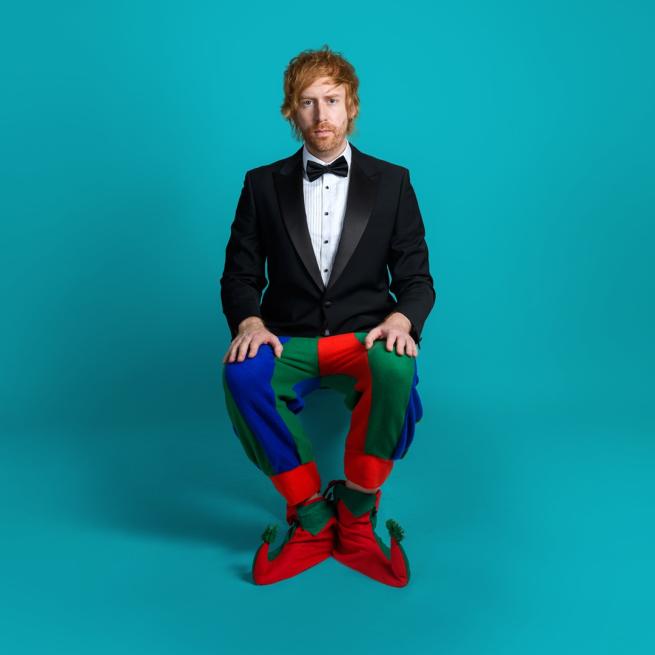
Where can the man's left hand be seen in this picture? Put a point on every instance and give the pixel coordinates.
(395, 328)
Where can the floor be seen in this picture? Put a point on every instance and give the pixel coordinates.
(529, 530)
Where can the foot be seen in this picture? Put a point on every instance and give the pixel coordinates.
(309, 541)
(358, 546)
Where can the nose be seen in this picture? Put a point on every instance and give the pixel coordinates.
(321, 113)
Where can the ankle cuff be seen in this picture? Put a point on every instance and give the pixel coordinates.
(314, 515)
(358, 502)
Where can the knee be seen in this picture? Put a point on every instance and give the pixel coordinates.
(390, 368)
(250, 375)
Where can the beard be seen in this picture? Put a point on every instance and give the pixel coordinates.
(327, 142)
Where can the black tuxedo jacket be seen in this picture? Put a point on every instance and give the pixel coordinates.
(382, 234)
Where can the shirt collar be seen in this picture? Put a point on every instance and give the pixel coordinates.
(306, 155)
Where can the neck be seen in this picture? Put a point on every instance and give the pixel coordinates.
(328, 155)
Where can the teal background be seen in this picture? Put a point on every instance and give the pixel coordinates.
(129, 511)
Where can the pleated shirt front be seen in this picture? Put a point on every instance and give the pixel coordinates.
(325, 206)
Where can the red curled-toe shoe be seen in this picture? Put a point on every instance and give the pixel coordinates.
(309, 541)
(357, 545)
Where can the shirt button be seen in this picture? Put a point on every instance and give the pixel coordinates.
(325, 270)
(325, 241)
(327, 303)
(327, 187)
(326, 213)
(327, 332)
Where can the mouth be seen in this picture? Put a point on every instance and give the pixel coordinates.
(322, 132)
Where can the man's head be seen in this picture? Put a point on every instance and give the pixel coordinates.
(320, 93)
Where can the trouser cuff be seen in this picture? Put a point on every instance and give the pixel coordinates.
(368, 471)
(299, 483)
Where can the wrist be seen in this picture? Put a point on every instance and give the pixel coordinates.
(399, 319)
(250, 322)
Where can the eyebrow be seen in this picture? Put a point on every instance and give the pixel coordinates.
(331, 95)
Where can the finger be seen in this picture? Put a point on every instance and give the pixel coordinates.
(243, 348)
(277, 347)
(273, 342)
(254, 347)
(233, 350)
(401, 345)
(391, 337)
(371, 337)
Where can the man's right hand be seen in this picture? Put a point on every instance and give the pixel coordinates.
(252, 334)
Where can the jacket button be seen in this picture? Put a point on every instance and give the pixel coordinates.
(327, 303)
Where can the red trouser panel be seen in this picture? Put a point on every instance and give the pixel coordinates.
(345, 354)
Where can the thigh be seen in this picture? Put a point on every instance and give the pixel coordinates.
(263, 395)
(288, 377)
(346, 356)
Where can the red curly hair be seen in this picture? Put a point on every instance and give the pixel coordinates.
(308, 66)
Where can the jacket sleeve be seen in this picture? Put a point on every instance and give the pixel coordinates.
(243, 276)
(411, 281)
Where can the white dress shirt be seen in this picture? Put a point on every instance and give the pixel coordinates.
(325, 206)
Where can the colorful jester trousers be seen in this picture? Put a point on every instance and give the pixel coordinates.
(264, 395)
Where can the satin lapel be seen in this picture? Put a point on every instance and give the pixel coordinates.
(362, 188)
(288, 182)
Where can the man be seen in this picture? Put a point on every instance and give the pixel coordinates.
(331, 223)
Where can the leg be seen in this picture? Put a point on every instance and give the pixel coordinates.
(385, 408)
(352, 485)
(264, 394)
(384, 401)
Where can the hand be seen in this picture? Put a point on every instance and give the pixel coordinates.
(396, 329)
(252, 334)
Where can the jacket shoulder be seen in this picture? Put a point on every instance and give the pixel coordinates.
(383, 164)
(267, 169)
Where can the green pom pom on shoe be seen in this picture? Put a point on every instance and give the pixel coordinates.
(395, 530)
(357, 544)
(268, 536)
(299, 550)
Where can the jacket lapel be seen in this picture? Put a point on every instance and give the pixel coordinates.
(362, 188)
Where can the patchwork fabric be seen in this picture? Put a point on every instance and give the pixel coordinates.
(265, 394)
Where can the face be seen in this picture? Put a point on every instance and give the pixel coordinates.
(322, 117)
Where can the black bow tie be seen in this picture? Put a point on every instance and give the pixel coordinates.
(338, 167)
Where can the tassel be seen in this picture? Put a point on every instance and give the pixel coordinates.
(268, 536)
(395, 531)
